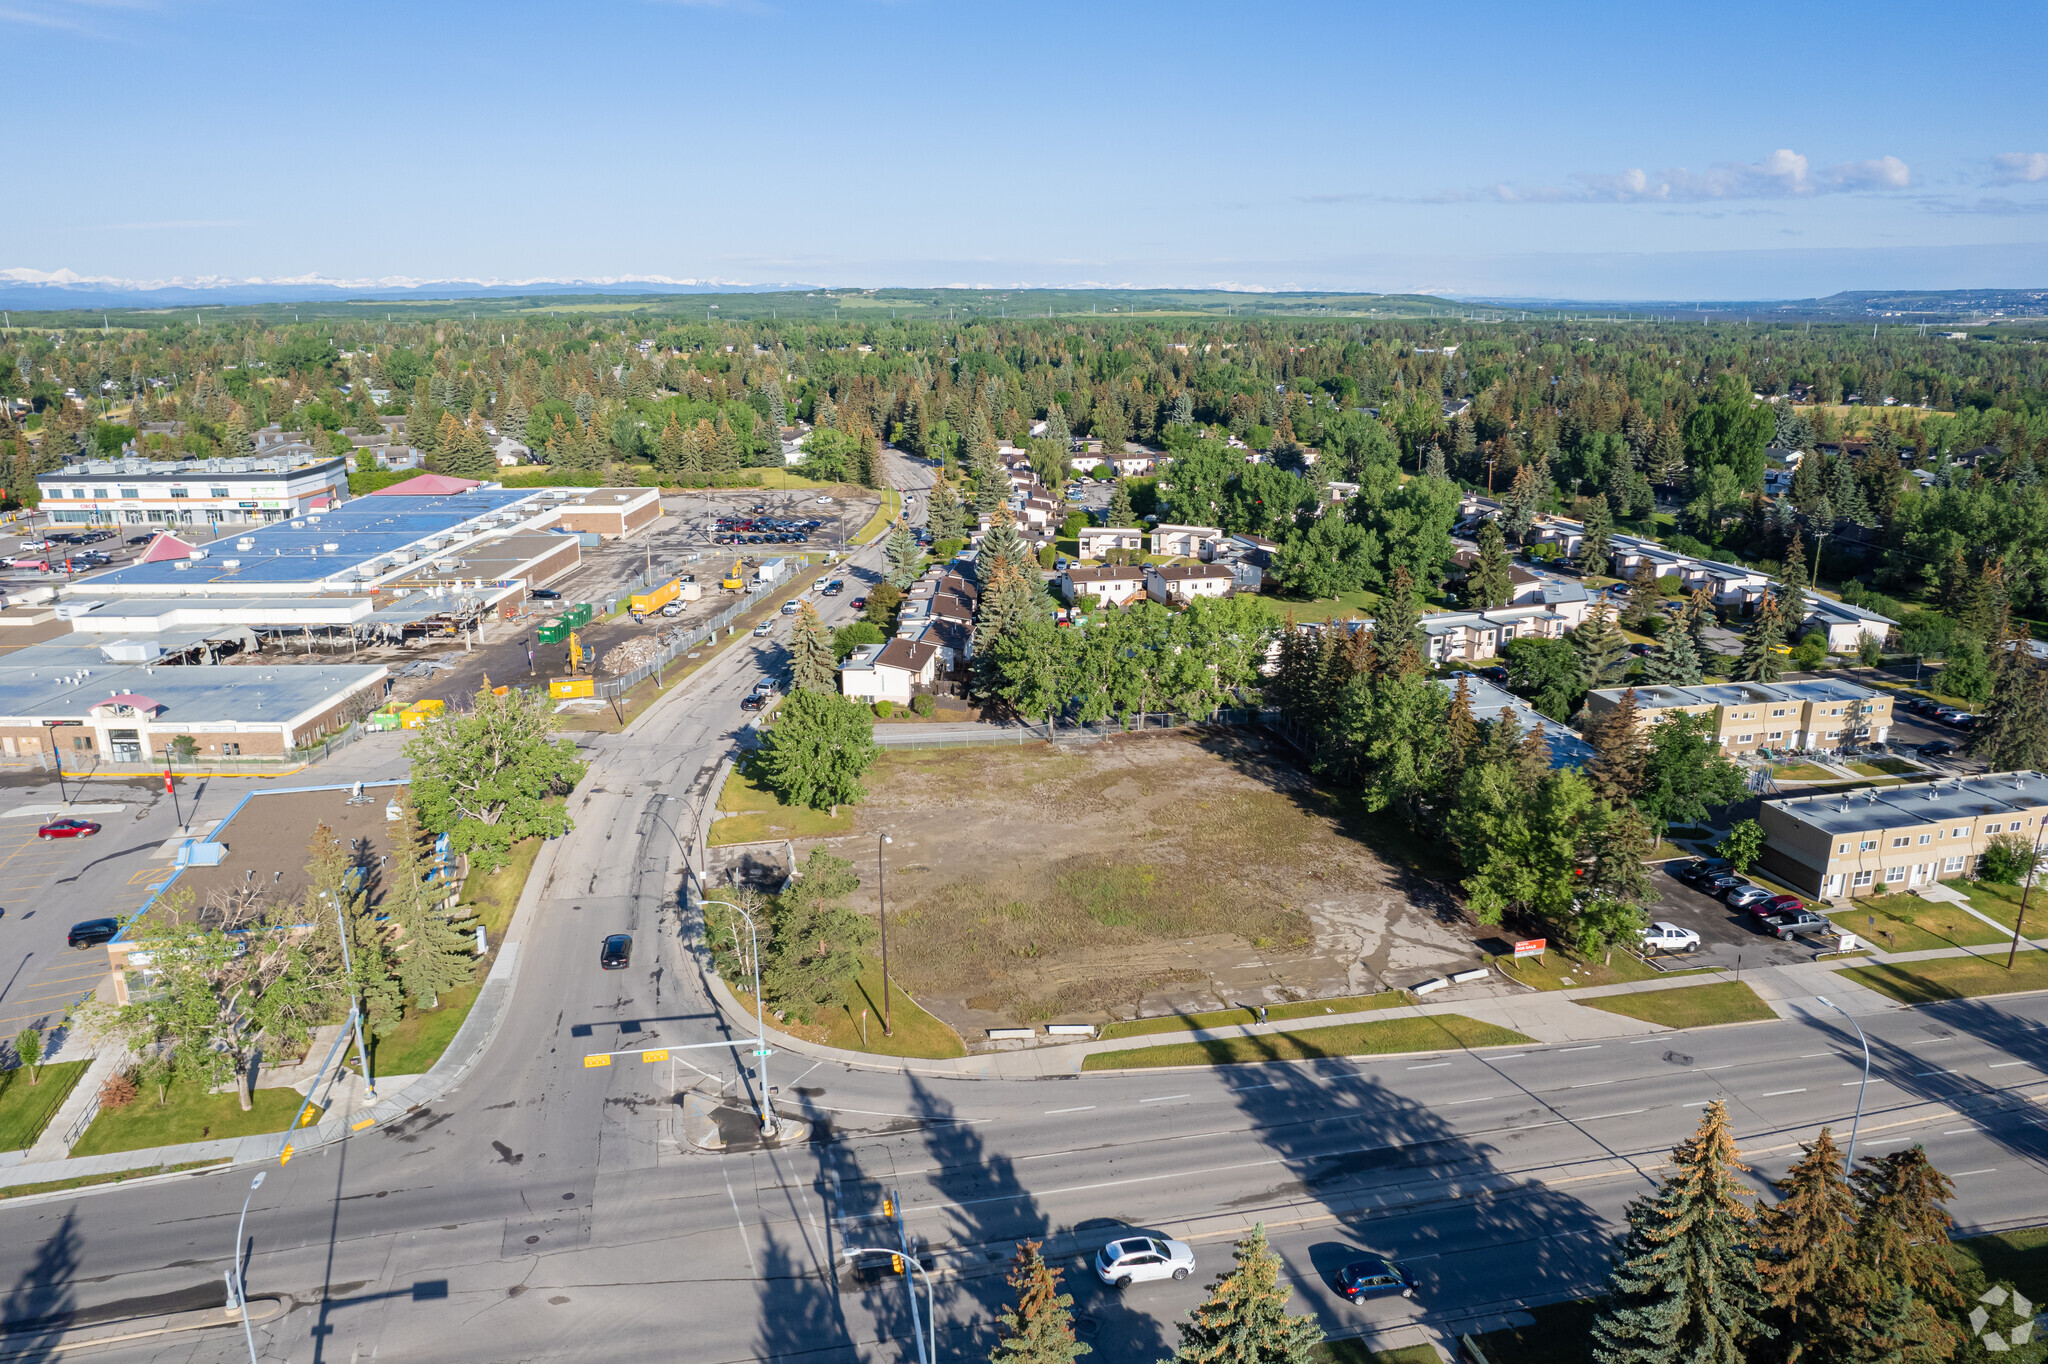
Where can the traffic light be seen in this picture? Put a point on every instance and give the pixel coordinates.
(284, 1157)
(888, 1207)
(896, 1261)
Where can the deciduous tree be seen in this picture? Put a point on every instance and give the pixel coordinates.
(485, 776)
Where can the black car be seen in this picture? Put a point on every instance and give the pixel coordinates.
(140, 539)
(754, 701)
(617, 952)
(1939, 748)
(545, 594)
(1496, 674)
(1721, 883)
(1697, 870)
(1374, 1277)
(93, 932)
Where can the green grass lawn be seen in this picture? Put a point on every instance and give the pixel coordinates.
(1688, 831)
(492, 897)
(2003, 903)
(191, 1115)
(1557, 1336)
(1223, 1018)
(86, 1181)
(1342, 606)
(1559, 970)
(1439, 1032)
(1954, 977)
(1354, 1351)
(420, 1038)
(2015, 1257)
(1885, 767)
(1800, 772)
(891, 508)
(754, 815)
(1914, 924)
(917, 1033)
(1688, 1006)
(25, 1109)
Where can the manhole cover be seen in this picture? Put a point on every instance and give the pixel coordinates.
(1086, 1327)
(533, 1240)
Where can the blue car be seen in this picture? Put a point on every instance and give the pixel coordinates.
(1374, 1277)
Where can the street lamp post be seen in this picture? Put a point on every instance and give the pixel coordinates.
(882, 890)
(931, 1299)
(2026, 889)
(1857, 1122)
(760, 1028)
(238, 1278)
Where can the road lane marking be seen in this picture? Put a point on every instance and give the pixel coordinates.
(1084, 1108)
(1776, 1092)
(1162, 1098)
(741, 1221)
(1965, 1174)
(1878, 1080)
(1953, 1130)
(1430, 1066)
(1925, 1073)
(1509, 1056)
(1244, 1089)
(1702, 1103)
(1594, 1046)
(1626, 1112)
(1588, 1084)
(913, 1117)
(2001, 1065)
(1455, 1102)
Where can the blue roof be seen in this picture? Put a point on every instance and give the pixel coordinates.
(295, 551)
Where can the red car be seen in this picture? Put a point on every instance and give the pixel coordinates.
(68, 828)
(1777, 904)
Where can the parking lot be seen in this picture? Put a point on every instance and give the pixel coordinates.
(1726, 935)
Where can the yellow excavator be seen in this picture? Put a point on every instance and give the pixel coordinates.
(735, 581)
(579, 657)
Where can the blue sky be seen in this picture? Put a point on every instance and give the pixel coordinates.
(1591, 151)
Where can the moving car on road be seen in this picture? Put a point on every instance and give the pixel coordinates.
(92, 932)
(764, 629)
(1374, 1277)
(1665, 937)
(617, 952)
(1138, 1258)
(68, 828)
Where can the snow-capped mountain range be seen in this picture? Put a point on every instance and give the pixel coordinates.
(38, 289)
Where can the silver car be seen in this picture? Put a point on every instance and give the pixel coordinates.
(1138, 1258)
(1742, 897)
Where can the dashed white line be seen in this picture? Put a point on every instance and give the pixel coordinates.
(1699, 1103)
(1455, 1102)
(1588, 1084)
(1965, 1174)
(1162, 1098)
(1430, 1066)
(1925, 1073)
(1245, 1089)
(1509, 1056)
(2001, 1065)
(1953, 1130)
(1776, 1092)
(1592, 1046)
(1053, 1112)
(1626, 1112)
(1876, 1080)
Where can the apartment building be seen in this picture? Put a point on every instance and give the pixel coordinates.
(1820, 713)
(1472, 636)
(193, 492)
(1888, 839)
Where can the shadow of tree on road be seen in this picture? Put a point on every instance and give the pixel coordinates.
(39, 1307)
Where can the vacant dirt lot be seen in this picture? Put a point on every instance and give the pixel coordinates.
(1139, 875)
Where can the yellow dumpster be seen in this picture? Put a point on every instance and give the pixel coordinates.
(565, 688)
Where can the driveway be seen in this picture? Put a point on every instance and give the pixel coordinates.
(1725, 934)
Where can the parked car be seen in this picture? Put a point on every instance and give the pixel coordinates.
(1742, 897)
(1720, 883)
(93, 932)
(1798, 921)
(754, 701)
(545, 594)
(617, 952)
(1374, 1277)
(764, 629)
(1136, 1259)
(1495, 674)
(860, 603)
(789, 608)
(1642, 650)
(1664, 937)
(1938, 748)
(68, 828)
(1697, 870)
(1777, 904)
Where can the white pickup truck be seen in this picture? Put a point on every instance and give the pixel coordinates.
(1664, 937)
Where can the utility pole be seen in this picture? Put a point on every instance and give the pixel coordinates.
(882, 891)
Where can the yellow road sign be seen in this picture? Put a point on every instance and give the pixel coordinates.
(601, 1059)
(284, 1156)
(658, 1054)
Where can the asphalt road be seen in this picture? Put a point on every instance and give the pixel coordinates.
(544, 1210)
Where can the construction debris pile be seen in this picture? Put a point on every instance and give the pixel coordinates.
(634, 653)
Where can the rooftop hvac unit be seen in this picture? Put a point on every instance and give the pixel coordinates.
(331, 546)
(230, 563)
(181, 566)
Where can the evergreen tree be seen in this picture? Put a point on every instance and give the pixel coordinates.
(235, 440)
(1643, 597)
(1245, 1320)
(1433, 462)
(1844, 494)
(1461, 733)
(1665, 460)
(2012, 736)
(1120, 513)
(1898, 1328)
(1761, 660)
(1602, 652)
(1686, 1287)
(1620, 754)
(1488, 584)
(943, 510)
(901, 552)
(434, 955)
(778, 406)
(1807, 1243)
(1955, 582)
(817, 750)
(668, 453)
(1965, 671)
(1595, 544)
(825, 414)
(1677, 664)
(813, 665)
(1040, 1328)
(1183, 410)
(1792, 584)
(1396, 645)
(1807, 488)
(1056, 428)
(1001, 546)
(512, 420)
(814, 944)
(1902, 1227)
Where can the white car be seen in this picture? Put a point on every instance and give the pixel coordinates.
(1663, 937)
(824, 499)
(1138, 1258)
(761, 630)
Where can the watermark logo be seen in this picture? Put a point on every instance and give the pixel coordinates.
(2003, 1320)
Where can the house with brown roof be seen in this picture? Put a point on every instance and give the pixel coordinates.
(894, 671)
(1179, 585)
(1112, 586)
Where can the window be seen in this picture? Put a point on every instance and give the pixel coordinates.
(1991, 828)
(1953, 864)
(1894, 874)
(229, 750)
(179, 492)
(1900, 842)
(1962, 831)
(219, 492)
(1844, 848)
(1778, 714)
(131, 492)
(1867, 845)
(1777, 734)
(1863, 878)
(1926, 839)
(1744, 738)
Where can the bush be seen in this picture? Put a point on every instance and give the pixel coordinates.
(2005, 859)
(885, 709)
(945, 550)
(923, 705)
(118, 1091)
(1812, 651)
(1046, 555)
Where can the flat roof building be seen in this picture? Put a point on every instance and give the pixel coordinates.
(1813, 713)
(1886, 839)
(194, 492)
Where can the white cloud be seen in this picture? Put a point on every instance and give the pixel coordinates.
(2019, 168)
(1784, 174)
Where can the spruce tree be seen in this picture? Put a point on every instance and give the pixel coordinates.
(434, 955)
(1760, 660)
(1792, 584)
(1039, 1329)
(778, 406)
(1433, 463)
(1677, 664)
(1595, 543)
(901, 552)
(1620, 765)
(1000, 546)
(2013, 734)
(1396, 645)
(813, 664)
(1897, 1328)
(1120, 513)
(1245, 1320)
(1643, 597)
(1807, 1243)
(1488, 585)
(1665, 461)
(1807, 489)
(1685, 1287)
(1601, 650)
(668, 454)
(1461, 731)
(1902, 1227)
(1056, 428)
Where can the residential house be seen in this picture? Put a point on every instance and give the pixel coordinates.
(1190, 542)
(1822, 713)
(894, 671)
(1096, 541)
(1882, 840)
(1179, 585)
(1567, 747)
(1113, 586)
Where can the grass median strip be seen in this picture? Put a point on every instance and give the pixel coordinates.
(87, 1181)
(1225, 1018)
(1437, 1032)
(1687, 1006)
(1924, 982)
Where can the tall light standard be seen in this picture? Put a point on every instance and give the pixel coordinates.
(1858, 1121)
(931, 1299)
(238, 1277)
(882, 889)
(2026, 889)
